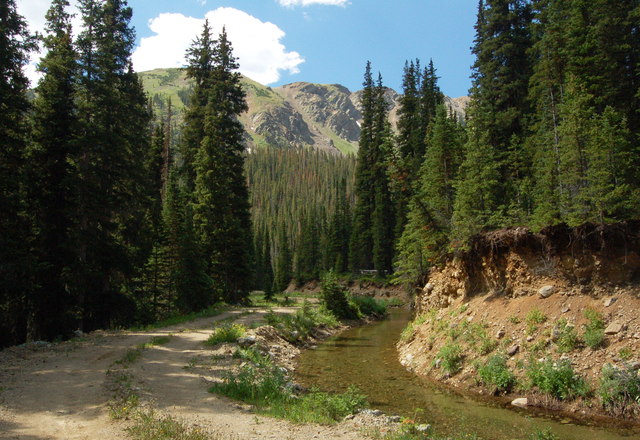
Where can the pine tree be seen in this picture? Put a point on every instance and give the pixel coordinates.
(112, 145)
(268, 269)
(221, 198)
(53, 181)
(282, 275)
(16, 266)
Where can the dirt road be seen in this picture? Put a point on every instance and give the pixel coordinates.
(60, 391)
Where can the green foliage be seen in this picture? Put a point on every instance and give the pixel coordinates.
(557, 379)
(619, 388)
(593, 335)
(535, 316)
(334, 297)
(149, 426)
(264, 385)
(495, 372)
(227, 332)
(543, 434)
(297, 327)
(567, 338)
(368, 305)
(451, 358)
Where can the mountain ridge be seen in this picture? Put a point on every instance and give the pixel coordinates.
(300, 114)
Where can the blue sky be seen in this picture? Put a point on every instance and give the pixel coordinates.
(323, 41)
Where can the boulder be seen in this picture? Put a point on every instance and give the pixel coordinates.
(246, 341)
(614, 328)
(547, 291)
(521, 402)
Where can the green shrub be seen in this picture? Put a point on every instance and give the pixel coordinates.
(619, 388)
(567, 339)
(264, 385)
(369, 306)
(226, 332)
(451, 358)
(545, 434)
(496, 373)
(535, 316)
(557, 379)
(334, 297)
(594, 329)
(297, 327)
(625, 353)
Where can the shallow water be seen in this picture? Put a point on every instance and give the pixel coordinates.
(366, 356)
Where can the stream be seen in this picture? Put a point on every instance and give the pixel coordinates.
(366, 357)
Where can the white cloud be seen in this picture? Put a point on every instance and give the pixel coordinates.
(292, 3)
(256, 44)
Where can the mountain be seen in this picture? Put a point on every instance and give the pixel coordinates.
(323, 116)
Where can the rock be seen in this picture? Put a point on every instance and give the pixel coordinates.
(423, 428)
(428, 288)
(547, 291)
(513, 350)
(78, 333)
(372, 412)
(566, 308)
(634, 366)
(394, 419)
(438, 362)
(521, 402)
(246, 341)
(609, 301)
(500, 334)
(614, 328)
(529, 338)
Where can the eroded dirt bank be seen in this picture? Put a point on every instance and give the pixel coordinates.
(532, 298)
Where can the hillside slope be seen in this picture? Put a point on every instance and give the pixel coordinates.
(322, 116)
(569, 296)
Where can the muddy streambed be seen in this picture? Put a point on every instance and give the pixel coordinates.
(366, 356)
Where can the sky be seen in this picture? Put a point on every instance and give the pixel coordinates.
(323, 41)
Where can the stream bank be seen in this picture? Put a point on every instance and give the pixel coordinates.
(367, 357)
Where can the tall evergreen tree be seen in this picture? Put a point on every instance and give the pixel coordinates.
(282, 273)
(221, 199)
(16, 267)
(53, 182)
(112, 143)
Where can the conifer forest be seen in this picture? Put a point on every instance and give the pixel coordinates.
(114, 214)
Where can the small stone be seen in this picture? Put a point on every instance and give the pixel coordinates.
(529, 338)
(609, 301)
(394, 419)
(614, 328)
(521, 402)
(635, 366)
(500, 334)
(469, 318)
(78, 333)
(566, 308)
(428, 288)
(423, 428)
(547, 291)
(513, 350)
(246, 341)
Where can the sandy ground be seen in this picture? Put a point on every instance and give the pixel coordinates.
(60, 391)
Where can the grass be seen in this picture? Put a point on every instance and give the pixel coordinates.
(451, 359)
(299, 326)
(182, 318)
(226, 332)
(147, 425)
(496, 373)
(417, 322)
(567, 338)
(264, 385)
(369, 306)
(533, 319)
(557, 379)
(543, 434)
(593, 335)
(619, 389)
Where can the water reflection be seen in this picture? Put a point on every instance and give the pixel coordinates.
(366, 356)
